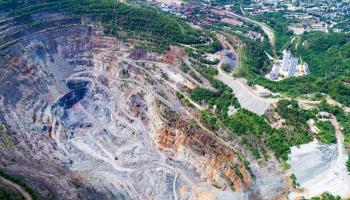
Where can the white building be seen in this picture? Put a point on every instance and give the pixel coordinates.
(288, 67)
(286, 58)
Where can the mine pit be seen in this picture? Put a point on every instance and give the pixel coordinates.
(106, 113)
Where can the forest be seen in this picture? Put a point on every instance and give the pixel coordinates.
(327, 133)
(256, 133)
(328, 57)
(279, 24)
(342, 117)
(134, 20)
(18, 181)
(221, 99)
(296, 128)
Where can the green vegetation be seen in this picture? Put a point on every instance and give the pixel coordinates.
(6, 194)
(214, 62)
(184, 100)
(326, 196)
(123, 20)
(244, 122)
(238, 173)
(252, 130)
(344, 120)
(328, 57)
(255, 132)
(327, 132)
(5, 139)
(209, 119)
(199, 55)
(226, 68)
(21, 183)
(184, 68)
(253, 57)
(293, 178)
(230, 2)
(236, 8)
(343, 25)
(213, 47)
(279, 24)
(146, 21)
(222, 99)
(297, 129)
(342, 117)
(207, 71)
(193, 75)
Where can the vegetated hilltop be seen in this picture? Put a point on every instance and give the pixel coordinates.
(279, 24)
(328, 57)
(119, 19)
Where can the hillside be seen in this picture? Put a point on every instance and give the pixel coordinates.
(126, 21)
(327, 55)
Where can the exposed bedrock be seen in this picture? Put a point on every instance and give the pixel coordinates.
(89, 123)
(93, 117)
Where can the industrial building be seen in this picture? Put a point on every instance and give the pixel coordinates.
(289, 66)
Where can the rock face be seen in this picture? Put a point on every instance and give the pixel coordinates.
(221, 165)
(88, 123)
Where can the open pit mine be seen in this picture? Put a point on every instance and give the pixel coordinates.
(92, 117)
(84, 115)
(169, 100)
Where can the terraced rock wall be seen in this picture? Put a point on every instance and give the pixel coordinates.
(83, 117)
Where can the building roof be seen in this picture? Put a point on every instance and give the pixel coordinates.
(293, 66)
(286, 58)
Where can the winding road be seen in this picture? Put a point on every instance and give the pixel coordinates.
(135, 124)
(16, 187)
(267, 30)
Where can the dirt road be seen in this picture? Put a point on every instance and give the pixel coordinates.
(16, 187)
(267, 30)
(245, 95)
